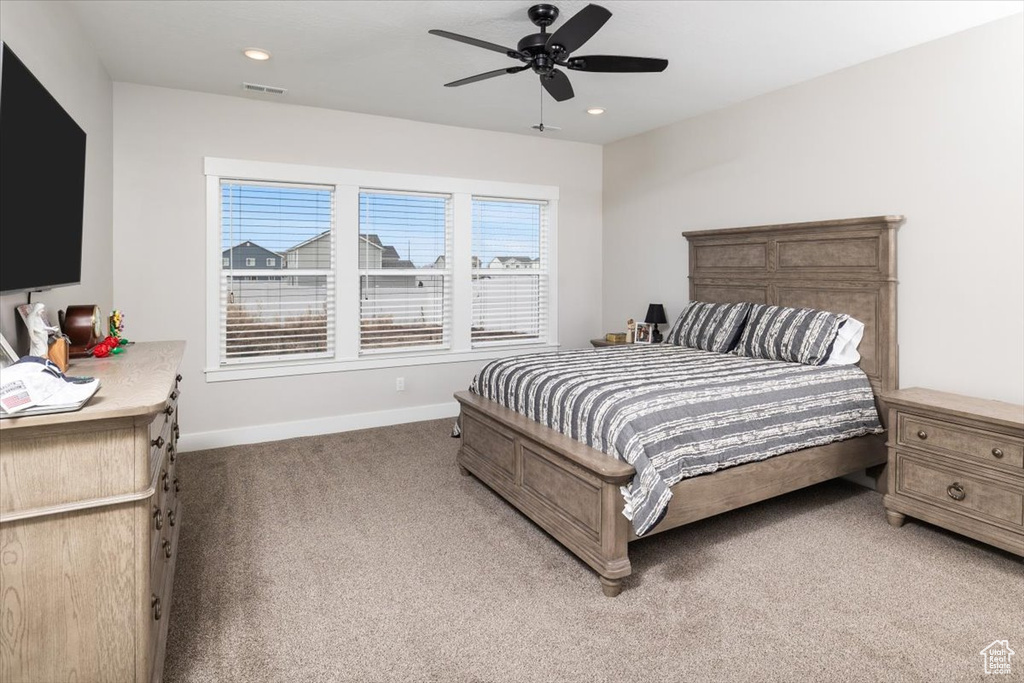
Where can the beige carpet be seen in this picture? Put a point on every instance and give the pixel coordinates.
(365, 556)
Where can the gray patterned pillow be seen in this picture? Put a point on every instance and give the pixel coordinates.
(799, 335)
(711, 327)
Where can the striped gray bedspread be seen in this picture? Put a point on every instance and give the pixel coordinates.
(673, 412)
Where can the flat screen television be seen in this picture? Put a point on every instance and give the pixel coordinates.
(42, 185)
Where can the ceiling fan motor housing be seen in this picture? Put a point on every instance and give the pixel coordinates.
(543, 15)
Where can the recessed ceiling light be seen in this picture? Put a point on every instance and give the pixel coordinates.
(257, 54)
(596, 111)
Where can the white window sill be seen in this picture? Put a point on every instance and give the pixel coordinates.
(397, 360)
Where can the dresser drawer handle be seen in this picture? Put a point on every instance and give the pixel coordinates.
(163, 478)
(158, 519)
(177, 378)
(921, 434)
(174, 395)
(169, 410)
(170, 517)
(155, 604)
(177, 486)
(172, 453)
(158, 442)
(167, 549)
(956, 491)
(997, 452)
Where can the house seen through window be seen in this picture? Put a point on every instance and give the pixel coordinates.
(285, 309)
(299, 281)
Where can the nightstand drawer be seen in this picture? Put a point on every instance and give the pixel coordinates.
(966, 494)
(948, 438)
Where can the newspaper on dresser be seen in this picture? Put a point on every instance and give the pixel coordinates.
(36, 386)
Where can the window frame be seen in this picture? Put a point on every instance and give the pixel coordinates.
(542, 272)
(347, 185)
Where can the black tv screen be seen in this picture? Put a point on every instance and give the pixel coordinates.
(42, 184)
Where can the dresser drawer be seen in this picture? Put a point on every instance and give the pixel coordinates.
(948, 438)
(953, 490)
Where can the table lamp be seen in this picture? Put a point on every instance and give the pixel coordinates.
(655, 316)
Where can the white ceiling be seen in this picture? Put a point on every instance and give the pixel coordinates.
(377, 58)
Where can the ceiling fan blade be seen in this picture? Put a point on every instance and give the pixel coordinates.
(558, 86)
(617, 64)
(484, 76)
(580, 28)
(474, 41)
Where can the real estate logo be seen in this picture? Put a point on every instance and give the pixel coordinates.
(997, 657)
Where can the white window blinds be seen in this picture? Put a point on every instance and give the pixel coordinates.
(405, 243)
(510, 271)
(277, 275)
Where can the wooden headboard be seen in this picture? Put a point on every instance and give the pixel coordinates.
(844, 266)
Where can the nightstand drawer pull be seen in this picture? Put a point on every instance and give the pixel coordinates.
(922, 435)
(956, 491)
(167, 548)
(158, 442)
(158, 519)
(997, 452)
(155, 604)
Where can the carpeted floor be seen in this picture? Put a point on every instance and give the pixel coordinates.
(365, 556)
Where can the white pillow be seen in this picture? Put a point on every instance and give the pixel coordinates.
(844, 349)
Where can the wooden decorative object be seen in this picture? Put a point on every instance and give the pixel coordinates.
(58, 353)
(84, 327)
(89, 524)
(572, 490)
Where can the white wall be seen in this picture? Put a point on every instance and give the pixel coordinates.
(935, 132)
(161, 137)
(46, 36)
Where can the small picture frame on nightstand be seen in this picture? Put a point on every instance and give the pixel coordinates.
(643, 333)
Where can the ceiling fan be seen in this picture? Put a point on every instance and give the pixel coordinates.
(544, 51)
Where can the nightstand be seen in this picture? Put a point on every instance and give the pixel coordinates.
(598, 343)
(957, 462)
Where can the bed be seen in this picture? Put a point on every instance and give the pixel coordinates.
(572, 490)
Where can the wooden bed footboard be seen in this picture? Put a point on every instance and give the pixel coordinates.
(572, 491)
(569, 489)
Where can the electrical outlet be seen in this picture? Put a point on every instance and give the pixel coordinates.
(400, 384)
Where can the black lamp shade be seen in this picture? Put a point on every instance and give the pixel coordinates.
(655, 314)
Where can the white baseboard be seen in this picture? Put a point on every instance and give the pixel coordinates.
(198, 441)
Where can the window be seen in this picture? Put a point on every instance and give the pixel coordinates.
(509, 271)
(325, 269)
(266, 314)
(404, 292)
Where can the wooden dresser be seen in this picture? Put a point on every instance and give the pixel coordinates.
(957, 462)
(89, 523)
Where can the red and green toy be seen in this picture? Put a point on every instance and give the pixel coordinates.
(115, 343)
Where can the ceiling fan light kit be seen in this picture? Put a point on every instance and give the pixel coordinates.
(544, 52)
